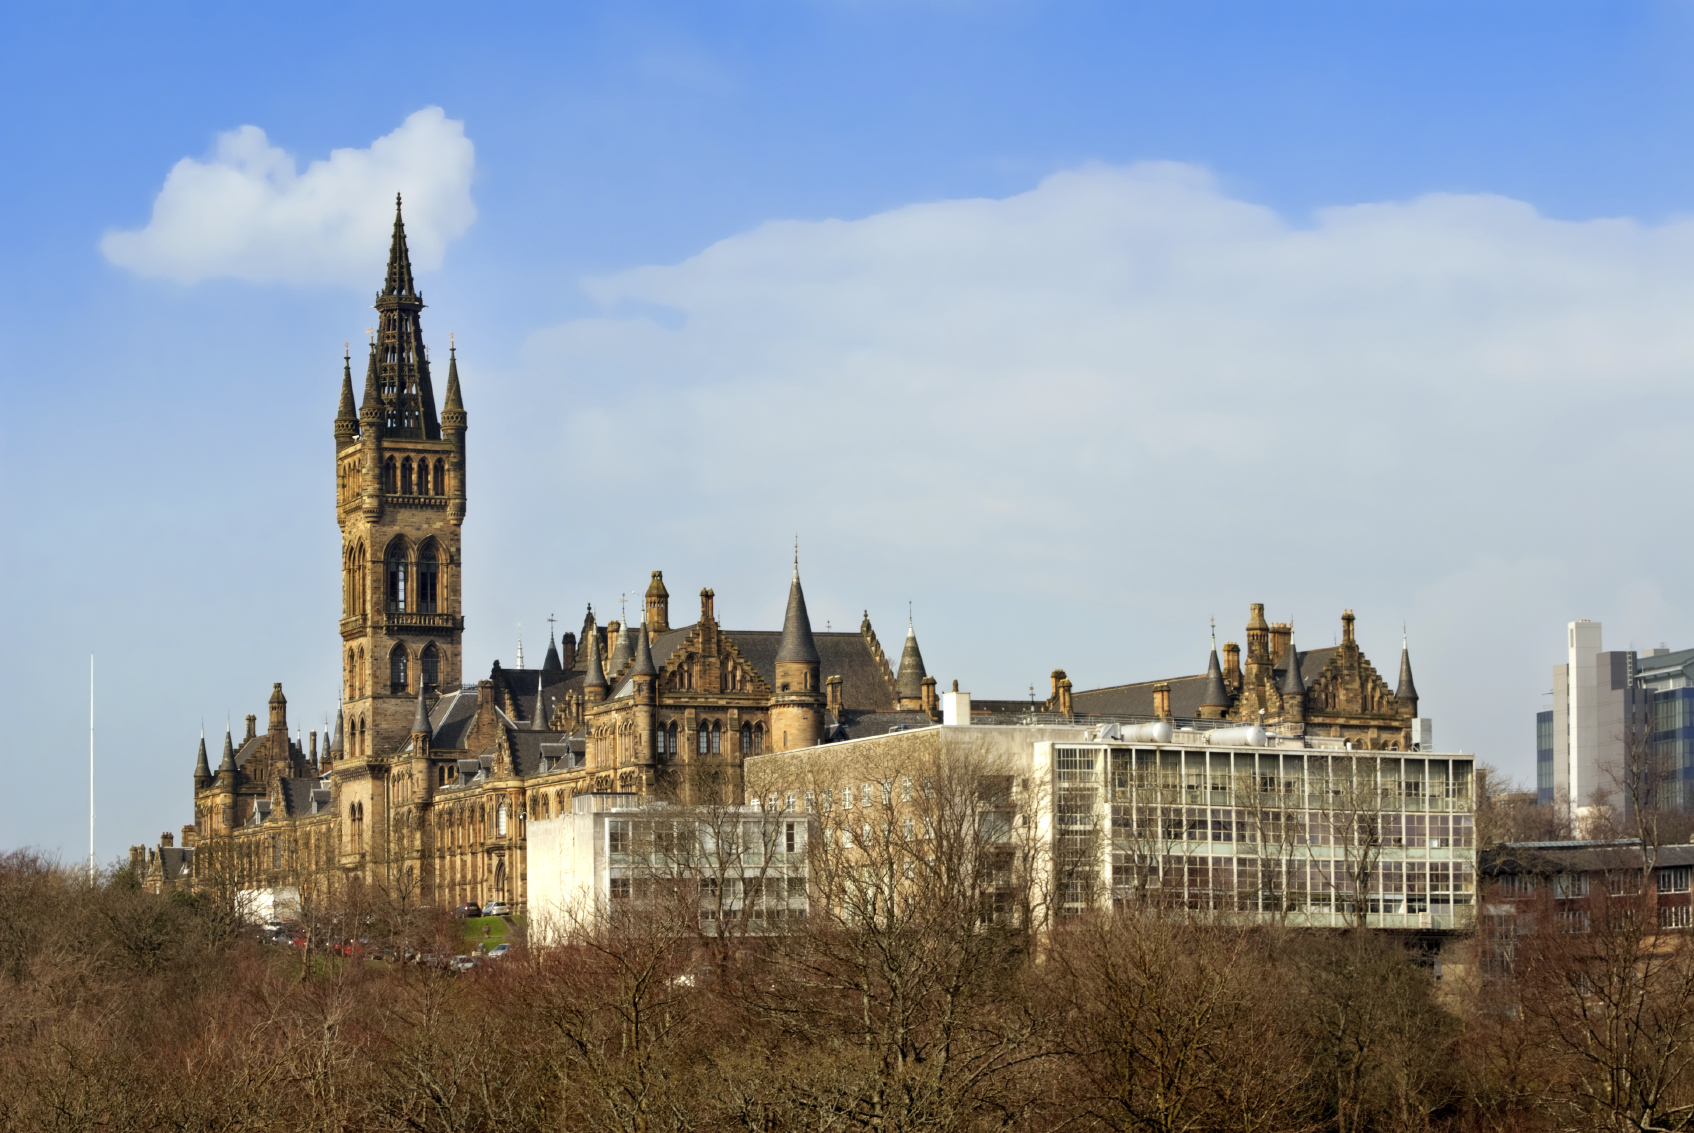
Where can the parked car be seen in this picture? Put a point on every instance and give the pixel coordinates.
(497, 909)
(468, 909)
(499, 950)
(462, 963)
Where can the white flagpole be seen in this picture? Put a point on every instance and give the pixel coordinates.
(91, 768)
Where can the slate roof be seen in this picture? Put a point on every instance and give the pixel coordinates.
(1546, 858)
(175, 860)
(451, 718)
(297, 796)
(1187, 693)
(521, 684)
(526, 749)
(246, 750)
(865, 685)
(858, 725)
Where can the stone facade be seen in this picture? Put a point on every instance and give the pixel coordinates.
(1333, 692)
(428, 784)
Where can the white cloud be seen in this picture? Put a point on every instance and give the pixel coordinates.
(1075, 423)
(248, 213)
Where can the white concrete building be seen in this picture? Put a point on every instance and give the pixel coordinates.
(1220, 817)
(739, 867)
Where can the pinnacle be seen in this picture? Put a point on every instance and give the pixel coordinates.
(346, 411)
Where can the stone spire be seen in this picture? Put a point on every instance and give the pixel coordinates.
(370, 406)
(228, 763)
(402, 363)
(596, 677)
(399, 278)
(797, 644)
(909, 684)
(1292, 683)
(420, 718)
(346, 415)
(622, 651)
(551, 663)
(453, 410)
(643, 666)
(337, 747)
(538, 716)
(202, 770)
(1407, 692)
(1217, 696)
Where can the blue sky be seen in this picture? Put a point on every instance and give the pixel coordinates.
(1073, 324)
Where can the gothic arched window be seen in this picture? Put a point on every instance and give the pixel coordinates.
(390, 476)
(397, 580)
(746, 739)
(397, 669)
(440, 479)
(717, 738)
(431, 664)
(406, 476)
(759, 739)
(705, 738)
(428, 574)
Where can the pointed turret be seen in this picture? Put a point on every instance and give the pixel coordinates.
(908, 685)
(1292, 683)
(797, 709)
(420, 718)
(1407, 692)
(594, 684)
(550, 664)
(202, 770)
(228, 763)
(346, 415)
(797, 644)
(336, 747)
(538, 715)
(453, 409)
(622, 650)
(1215, 702)
(643, 666)
(370, 403)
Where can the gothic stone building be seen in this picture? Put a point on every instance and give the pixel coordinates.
(1333, 692)
(428, 783)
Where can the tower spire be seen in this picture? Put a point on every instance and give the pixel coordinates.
(403, 364)
(399, 278)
